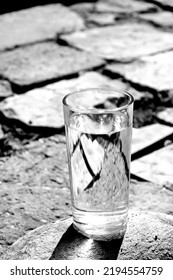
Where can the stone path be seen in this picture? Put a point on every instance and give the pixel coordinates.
(92, 44)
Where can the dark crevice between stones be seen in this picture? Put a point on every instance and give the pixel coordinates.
(137, 178)
(145, 109)
(26, 45)
(168, 140)
(20, 89)
(17, 134)
(162, 5)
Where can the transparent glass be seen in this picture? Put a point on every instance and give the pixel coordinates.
(98, 135)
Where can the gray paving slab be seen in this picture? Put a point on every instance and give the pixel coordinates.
(155, 167)
(5, 89)
(161, 18)
(37, 24)
(132, 40)
(43, 106)
(125, 6)
(148, 135)
(166, 115)
(44, 61)
(154, 71)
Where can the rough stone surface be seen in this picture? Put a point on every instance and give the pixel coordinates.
(104, 43)
(36, 24)
(148, 237)
(166, 115)
(151, 197)
(126, 6)
(5, 89)
(34, 188)
(162, 18)
(43, 62)
(155, 167)
(43, 106)
(151, 71)
(148, 135)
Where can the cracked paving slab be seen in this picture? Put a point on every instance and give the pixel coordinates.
(141, 39)
(43, 106)
(43, 62)
(153, 71)
(148, 135)
(37, 24)
(155, 167)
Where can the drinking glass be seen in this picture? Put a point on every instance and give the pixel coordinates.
(98, 123)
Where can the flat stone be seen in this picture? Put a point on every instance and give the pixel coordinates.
(148, 237)
(155, 167)
(148, 135)
(166, 115)
(101, 19)
(161, 18)
(5, 89)
(141, 39)
(151, 71)
(36, 24)
(148, 196)
(126, 6)
(43, 106)
(43, 62)
(34, 188)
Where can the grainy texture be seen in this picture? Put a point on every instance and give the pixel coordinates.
(44, 61)
(37, 24)
(43, 106)
(148, 237)
(153, 71)
(104, 43)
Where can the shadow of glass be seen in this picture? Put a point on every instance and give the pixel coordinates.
(74, 245)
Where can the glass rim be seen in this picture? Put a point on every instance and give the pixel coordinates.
(98, 110)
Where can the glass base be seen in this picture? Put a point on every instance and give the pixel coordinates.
(103, 226)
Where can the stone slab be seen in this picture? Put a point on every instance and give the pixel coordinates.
(34, 187)
(148, 237)
(141, 39)
(5, 89)
(161, 18)
(164, 3)
(37, 24)
(151, 71)
(155, 167)
(126, 6)
(148, 135)
(43, 106)
(148, 196)
(43, 62)
(166, 115)
(92, 17)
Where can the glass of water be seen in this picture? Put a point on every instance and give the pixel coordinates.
(98, 135)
